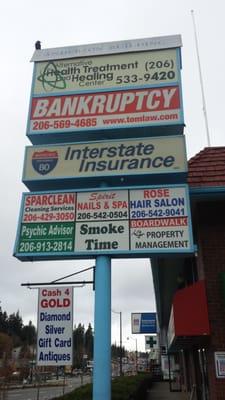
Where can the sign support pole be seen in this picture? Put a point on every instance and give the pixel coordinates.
(102, 329)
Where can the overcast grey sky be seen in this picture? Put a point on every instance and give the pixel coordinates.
(56, 24)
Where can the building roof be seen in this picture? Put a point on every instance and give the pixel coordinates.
(207, 168)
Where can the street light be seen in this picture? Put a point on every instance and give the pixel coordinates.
(121, 348)
(136, 359)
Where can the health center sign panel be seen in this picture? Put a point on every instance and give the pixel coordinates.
(134, 222)
(110, 71)
(133, 89)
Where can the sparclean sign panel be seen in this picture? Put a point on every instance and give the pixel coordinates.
(55, 326)
(70, 162)
(152, 220)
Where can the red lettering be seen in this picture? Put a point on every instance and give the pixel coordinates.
(152, 193)
(55, 303)
(129, 101)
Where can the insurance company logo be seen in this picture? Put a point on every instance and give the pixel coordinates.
(45, 161)
(51, 78)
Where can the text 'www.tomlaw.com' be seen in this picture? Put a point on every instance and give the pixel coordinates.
(142, 118)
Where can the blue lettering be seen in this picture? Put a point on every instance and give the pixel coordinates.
(140, 204)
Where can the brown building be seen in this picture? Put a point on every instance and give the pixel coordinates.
(190, 291)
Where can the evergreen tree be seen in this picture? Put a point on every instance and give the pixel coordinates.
(15, 324)
(115, 351)
(89, 341)
(28, 334)
(5, 346)
(3, 321)
(78, 345)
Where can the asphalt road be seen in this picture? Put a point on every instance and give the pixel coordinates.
(44, 393)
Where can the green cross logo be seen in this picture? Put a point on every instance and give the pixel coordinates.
(151, 340)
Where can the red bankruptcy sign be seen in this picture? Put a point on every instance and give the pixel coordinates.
(106, 109)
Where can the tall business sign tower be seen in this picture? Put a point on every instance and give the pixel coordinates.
(107, 167)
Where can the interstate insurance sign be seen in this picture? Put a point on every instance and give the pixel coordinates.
(134, 222)
(61, 166)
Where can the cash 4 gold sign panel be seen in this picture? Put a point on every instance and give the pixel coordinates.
(55, 326)
(81, 98)
(134, 222)
(61, 166)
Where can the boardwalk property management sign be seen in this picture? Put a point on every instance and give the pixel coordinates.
(55, 326)
(107, 92)
(118, 222)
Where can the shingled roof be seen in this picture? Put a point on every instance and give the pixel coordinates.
(207, 168)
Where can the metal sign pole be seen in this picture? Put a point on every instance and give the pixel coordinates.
(102, 336)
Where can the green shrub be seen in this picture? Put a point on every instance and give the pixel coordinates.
(122, 389)
(81, 393)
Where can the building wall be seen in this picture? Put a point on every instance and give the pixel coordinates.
(210, 229)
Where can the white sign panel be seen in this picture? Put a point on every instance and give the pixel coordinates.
(108, 71)
(171, 328)
(123, 46)
(134, 84)
(144, 322)
(106, 158)
(158, 218)
(55, 326)
(165, 366)
(220, 364)
(118, 222)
